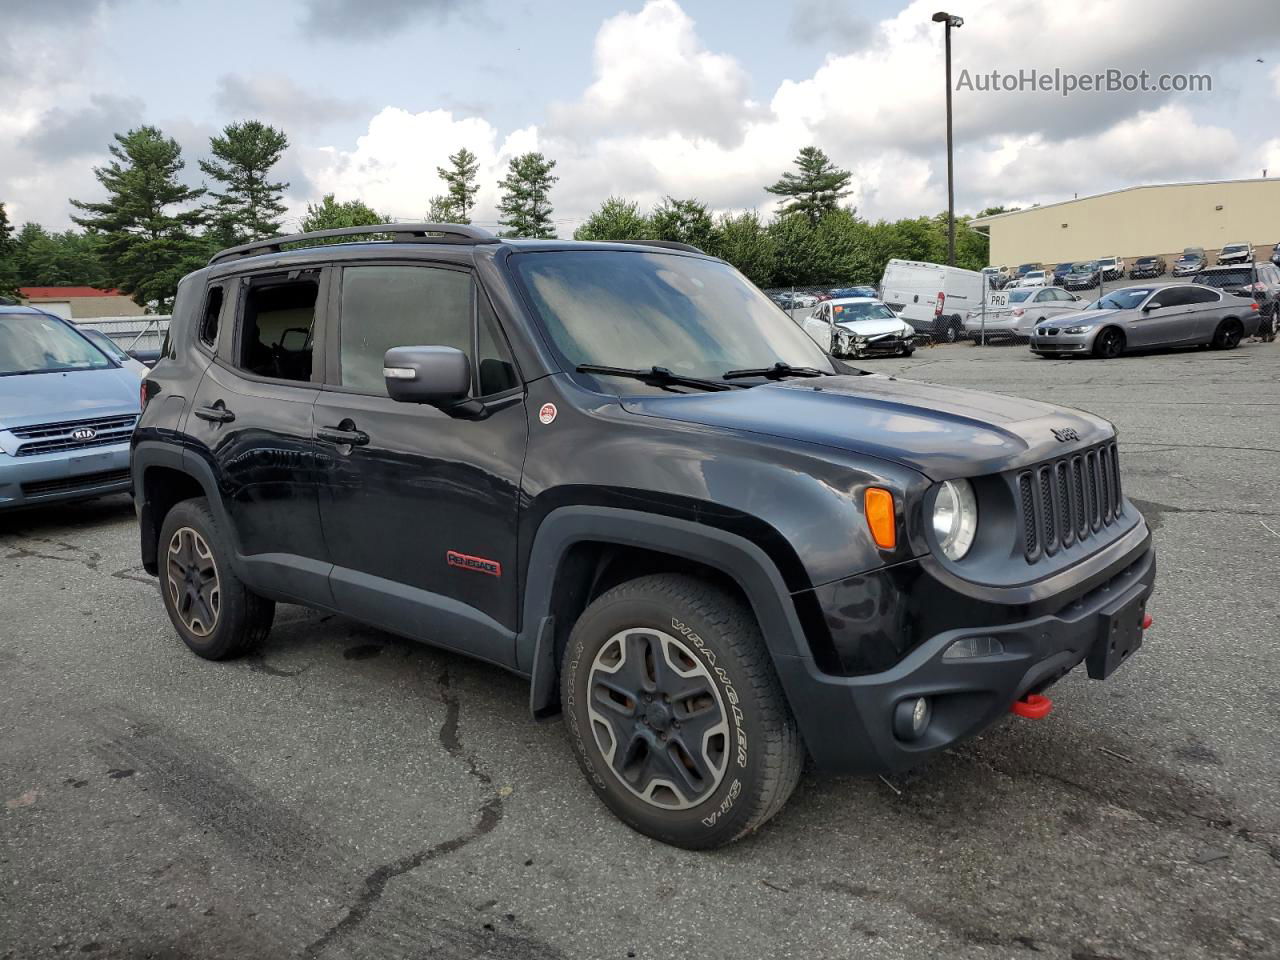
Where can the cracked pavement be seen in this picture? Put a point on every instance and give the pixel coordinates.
(346, 793)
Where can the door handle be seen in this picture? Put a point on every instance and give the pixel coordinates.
(343, 434)
(218, 413)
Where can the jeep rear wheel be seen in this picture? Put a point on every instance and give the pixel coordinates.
(214, 613)
(675, 713)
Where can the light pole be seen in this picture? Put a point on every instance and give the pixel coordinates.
(950, 21)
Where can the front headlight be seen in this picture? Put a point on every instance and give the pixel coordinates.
(843, 340)
(955, 518)
(1076, 330)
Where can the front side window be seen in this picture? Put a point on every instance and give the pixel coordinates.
(38, 343)
(697, 317)
(1126, 299)
(277, 324)
(1172, 297)
(399, 306)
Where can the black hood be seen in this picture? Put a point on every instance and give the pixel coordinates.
(943, 432)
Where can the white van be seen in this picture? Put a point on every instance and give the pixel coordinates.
(931, 297)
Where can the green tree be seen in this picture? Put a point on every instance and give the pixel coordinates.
(685, 221)
(743, 241)
(992, 211)
(46, 259)
(329, 214)
(525, 207)
(249, 207)
(816, 190)
(440, 209)
(460, 178)
(798, 259)
(8, 257)
(148, 219)
(617, 219)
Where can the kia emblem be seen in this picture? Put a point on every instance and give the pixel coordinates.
(84, 433)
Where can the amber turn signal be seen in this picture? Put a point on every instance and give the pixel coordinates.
(879, 508)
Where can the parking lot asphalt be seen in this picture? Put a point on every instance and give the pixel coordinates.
(345, 793)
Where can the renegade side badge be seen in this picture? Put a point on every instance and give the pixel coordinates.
(477, 564)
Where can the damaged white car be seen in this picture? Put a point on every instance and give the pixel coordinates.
(851, 327)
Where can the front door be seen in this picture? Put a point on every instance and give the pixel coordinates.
(420, 512)
(1160, 327)
(250, 420)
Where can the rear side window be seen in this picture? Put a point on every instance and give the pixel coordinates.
(1201, 295)
(209, 319)
(277, 325)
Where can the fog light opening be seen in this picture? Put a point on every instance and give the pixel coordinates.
(911, 718)
(966, 648)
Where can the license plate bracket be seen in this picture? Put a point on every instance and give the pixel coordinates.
(1119, 636)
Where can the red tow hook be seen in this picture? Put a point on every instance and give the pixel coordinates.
(1033, 706)
(1147, 622)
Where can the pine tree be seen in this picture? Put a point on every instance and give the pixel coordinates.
(617, 219)
(440, 209)
(249, 207)
(8, 257)
(460, 176)
(148, 220)
(816, 190)
(744, 242)
(525, 208)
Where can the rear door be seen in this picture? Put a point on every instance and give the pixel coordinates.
(250, 421)
(420, 514)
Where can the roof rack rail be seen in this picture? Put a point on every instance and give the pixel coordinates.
(668, 244)
(400, 233)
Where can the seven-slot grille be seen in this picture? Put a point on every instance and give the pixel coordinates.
(1067, 501)
(73, 435)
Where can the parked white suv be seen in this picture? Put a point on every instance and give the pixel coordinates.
(1111, 268)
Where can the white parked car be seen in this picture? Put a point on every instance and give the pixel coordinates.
(1111, 268)
(851, 327)
(1013, 314)
(1032, 278)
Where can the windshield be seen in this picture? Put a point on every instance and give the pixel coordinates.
(1234, 248)
(696, 317)
(1146, 259)
(37, 343)
(1126, 299)
(1225, 278)
(1025, 267)
(1087, 267)
(849, 312)
(1106, 261)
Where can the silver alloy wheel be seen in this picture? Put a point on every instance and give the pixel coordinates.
(192, 575)
(658, 718)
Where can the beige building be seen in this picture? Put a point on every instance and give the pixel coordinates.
(78, 303)
(1156, 220)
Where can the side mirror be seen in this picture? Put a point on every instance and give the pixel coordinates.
(439, 376)
(1152, 306)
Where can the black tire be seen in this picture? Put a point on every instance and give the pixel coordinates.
(1109, 344)
(908, 351)
(1228, 335)
(752, 755)
(239, 619)
(954, 331)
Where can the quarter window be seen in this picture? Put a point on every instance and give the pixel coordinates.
(212, 311)
(1201, 295)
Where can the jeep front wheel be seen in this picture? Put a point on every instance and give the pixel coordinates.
(675, 713)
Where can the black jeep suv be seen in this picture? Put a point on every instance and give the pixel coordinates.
(619, 471)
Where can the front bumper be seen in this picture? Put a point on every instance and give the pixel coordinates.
(847, 721)
(31, 481)
(882, 347)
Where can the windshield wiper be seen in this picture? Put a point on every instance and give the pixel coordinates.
(777, 372)
(655, 376)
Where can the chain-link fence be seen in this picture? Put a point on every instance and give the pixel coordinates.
(141, 336)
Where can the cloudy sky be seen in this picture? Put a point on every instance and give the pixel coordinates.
(702, 98)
